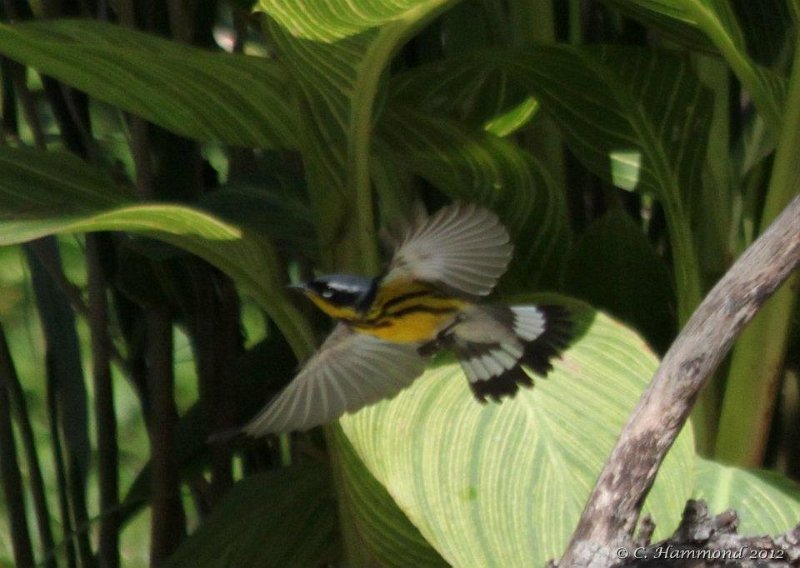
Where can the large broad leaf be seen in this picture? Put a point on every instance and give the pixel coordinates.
(390, 537)
(504, 484)
(235, 99)
(611, 107)
(622, 112)
(473, 165)
(45, 193)
(285, 517)
(766, 502)
(337, 54)
(718, 21)
(489, 100)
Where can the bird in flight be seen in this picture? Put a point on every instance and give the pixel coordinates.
(425, 301)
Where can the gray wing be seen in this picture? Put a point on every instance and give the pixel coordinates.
(463, 247)
(351, 370)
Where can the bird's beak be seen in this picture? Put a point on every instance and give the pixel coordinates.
(302, 287)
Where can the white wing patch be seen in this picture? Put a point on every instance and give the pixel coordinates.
(529, 322)
(350, 371)
(492, 363)
(464, 247)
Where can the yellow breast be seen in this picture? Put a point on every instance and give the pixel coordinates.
(409, 312)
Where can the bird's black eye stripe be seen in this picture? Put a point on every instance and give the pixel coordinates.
(339, 297)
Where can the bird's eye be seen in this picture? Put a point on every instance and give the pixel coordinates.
(327, 294)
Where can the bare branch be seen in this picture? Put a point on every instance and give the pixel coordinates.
(613, 508)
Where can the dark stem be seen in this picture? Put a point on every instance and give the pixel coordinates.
(167, 527)
(217, 342)
(613, 508)
(52, 263)
(28, 104)
(66, 400)
(9, 467)
(105, 418)
(35, 476)
(61, 478)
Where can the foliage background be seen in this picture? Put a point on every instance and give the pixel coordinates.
(156, 193)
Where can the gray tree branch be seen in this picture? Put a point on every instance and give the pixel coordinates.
(613, 509)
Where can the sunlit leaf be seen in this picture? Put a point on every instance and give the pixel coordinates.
(392, 539)
(766, 502)
(329, 20)
(504, 484)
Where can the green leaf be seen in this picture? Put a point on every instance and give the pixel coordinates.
(235, 99)
(611, 106)
(766, 502)
(337, 53)
(614, 268)
(668, 18)
(285, 517)
(45, 193)
(476, 166)
(327, 21)
(391, 538)
(473, 95)
(504, 484)
(718, 20)
(610, 103)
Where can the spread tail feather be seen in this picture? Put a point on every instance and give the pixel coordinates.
(536, 335)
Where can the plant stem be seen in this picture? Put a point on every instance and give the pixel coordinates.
(66, 400)
(167, 528)
(757, 360)
(712, 236)
(10, 475)
(35, 477)
(105, 418)
(748, 73)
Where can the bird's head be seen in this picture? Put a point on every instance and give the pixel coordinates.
(341, 296)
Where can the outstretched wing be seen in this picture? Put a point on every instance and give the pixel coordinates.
(463, 247)
(351, 370)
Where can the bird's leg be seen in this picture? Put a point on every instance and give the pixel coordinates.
(443, 339)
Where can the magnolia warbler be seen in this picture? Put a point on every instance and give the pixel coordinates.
(425, 301)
